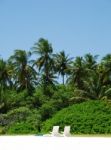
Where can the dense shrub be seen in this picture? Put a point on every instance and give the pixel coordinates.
(22, 128)
(39, 98)
(88, 117)
(13, 99)
(61, 97)
(30, 126)
(47, 110)
(20, 121)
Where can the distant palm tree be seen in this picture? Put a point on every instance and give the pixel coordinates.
(106, 69)
(90, 61)
(78, 73)
(44, 62)
(49, 80)
(94, 88)
(63, 64)
(5, 83)
(4, 74)
(24, 74)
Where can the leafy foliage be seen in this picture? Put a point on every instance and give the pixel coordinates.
(30, 92)
(21, 121)
(91, 117)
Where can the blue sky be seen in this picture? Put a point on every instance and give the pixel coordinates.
(76, 26)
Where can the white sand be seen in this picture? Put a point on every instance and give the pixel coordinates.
(54, 143)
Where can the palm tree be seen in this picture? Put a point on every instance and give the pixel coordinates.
(44, 61)
(5, 80)
(78, 73)
(24, 75)
(5, 83)
(106, 69)
(90, 61)
(63, 64)
(94, 89)
(49, 80)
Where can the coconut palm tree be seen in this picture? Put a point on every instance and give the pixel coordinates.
(106, 71)
(90, 61)
(63, 64)
(44, 62)
(77, 73)
(24, 74)
(5, 83)
(94, 88)
(5, 80)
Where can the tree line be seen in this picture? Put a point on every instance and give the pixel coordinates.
(86, 77)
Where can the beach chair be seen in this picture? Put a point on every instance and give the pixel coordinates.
(66, 131)
(55, 132)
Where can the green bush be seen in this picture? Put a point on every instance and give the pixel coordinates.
(22, 128)
(31, 125)
(91, 117)
(47, 110)
(39, 98)
(20, 121)
(13, 100)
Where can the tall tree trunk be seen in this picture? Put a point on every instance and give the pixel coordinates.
(63, 79)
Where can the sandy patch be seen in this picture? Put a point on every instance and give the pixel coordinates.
(54, 143)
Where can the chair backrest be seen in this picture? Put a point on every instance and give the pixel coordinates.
(55, 130)
(66, 131)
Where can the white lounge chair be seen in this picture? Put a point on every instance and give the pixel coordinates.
(66, 131)
(55, 132)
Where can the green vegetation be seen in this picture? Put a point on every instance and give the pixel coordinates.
(31, 96)
(91, 117)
